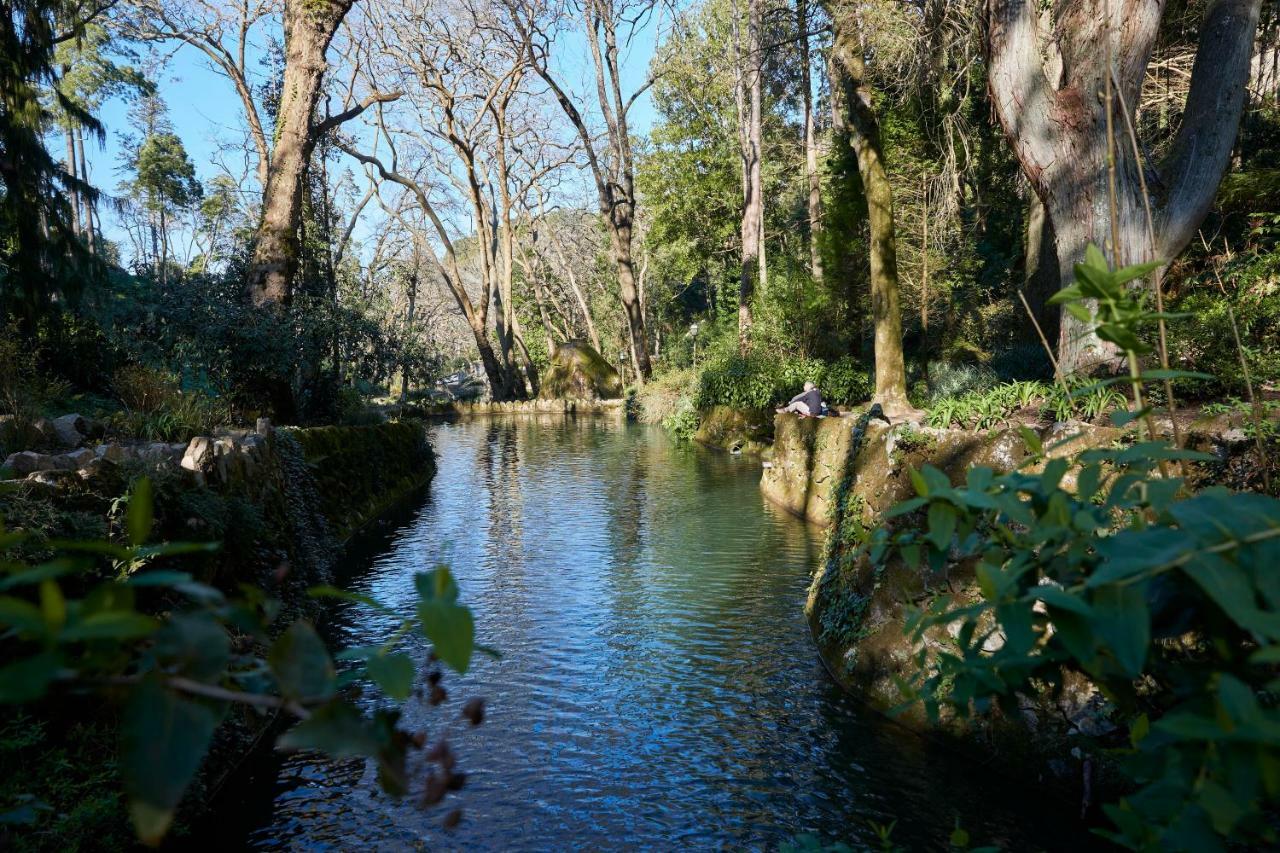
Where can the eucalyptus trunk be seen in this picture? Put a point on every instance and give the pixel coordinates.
(747, 96)
(810, 146)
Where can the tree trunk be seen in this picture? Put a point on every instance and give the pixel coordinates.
(1041, 278)
(620, 242)
(72, 169)
(410, 309)
(810, 146)
(1047, 80)
(859, 119)
(88, 203)
(309, 26)
(755, 27)
(748, 106)
(164, 249)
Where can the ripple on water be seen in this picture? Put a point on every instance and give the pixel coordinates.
(658, 686)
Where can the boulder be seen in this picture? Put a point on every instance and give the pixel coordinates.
(226, 459)
(577, 371)
(51, 479)
(71, 430)
(198, 457)
(112, 453)
(47, 432)
(263, 427)
(28, 462)
(75, 459)
(162, 453)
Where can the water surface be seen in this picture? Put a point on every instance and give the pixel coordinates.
(658, 687)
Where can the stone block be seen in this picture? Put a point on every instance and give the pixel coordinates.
(70, 430)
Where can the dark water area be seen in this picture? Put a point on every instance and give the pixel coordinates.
(658, 689)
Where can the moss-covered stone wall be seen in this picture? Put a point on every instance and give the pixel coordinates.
(845, 472)
(362, 471)
(565, 406)
(735, 430)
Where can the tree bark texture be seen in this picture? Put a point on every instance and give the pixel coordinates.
(1047, 77)
(309, 26)
(810, 146)
(863, 132)
(748, 105)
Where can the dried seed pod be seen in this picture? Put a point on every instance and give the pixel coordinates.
(456, 781)
(474, 711)
(437, 786)
(442, 755)
(452, 819)
(438, 694)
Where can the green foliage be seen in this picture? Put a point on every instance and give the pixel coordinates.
(758, 381)
(170, 649)
(1166, 602)
(683, 422)
(41, 257)
(1083, 398)
(166, 176)
(59, 785)
(955, 379)
(156, 408)
(25, 391)
(1205, 341)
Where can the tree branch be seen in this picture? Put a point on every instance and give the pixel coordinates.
(1202, 149)
(346, 115)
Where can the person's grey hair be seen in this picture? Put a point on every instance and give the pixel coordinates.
(809, 386)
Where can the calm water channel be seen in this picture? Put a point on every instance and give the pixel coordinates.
(658, 688)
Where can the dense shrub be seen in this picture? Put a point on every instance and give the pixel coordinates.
(760, 380)
(663, 396)
(25, 391)
(846, 382)
(950, 379)
(1202, 340)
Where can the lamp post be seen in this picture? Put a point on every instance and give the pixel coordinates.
(693, 333)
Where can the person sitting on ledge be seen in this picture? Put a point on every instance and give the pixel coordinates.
(808, 403)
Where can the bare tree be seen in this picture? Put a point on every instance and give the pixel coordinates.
(609, 158)
(747, 98)
(465, 119)
(224, 33)
(1053, 78)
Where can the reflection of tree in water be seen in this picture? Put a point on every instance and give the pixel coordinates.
(498, 457)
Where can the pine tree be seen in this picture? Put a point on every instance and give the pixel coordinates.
(42, 260)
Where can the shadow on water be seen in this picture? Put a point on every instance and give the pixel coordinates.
(658, 686)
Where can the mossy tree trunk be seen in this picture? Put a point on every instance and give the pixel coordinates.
(309, 26)
(858, 124)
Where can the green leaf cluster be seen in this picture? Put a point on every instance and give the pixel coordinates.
(180, 653)
(1167, 601)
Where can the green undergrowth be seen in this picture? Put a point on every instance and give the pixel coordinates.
(1083, 399)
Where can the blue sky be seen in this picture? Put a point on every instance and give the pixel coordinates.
(207, 114)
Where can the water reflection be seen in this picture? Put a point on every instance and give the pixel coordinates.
(658, 687)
